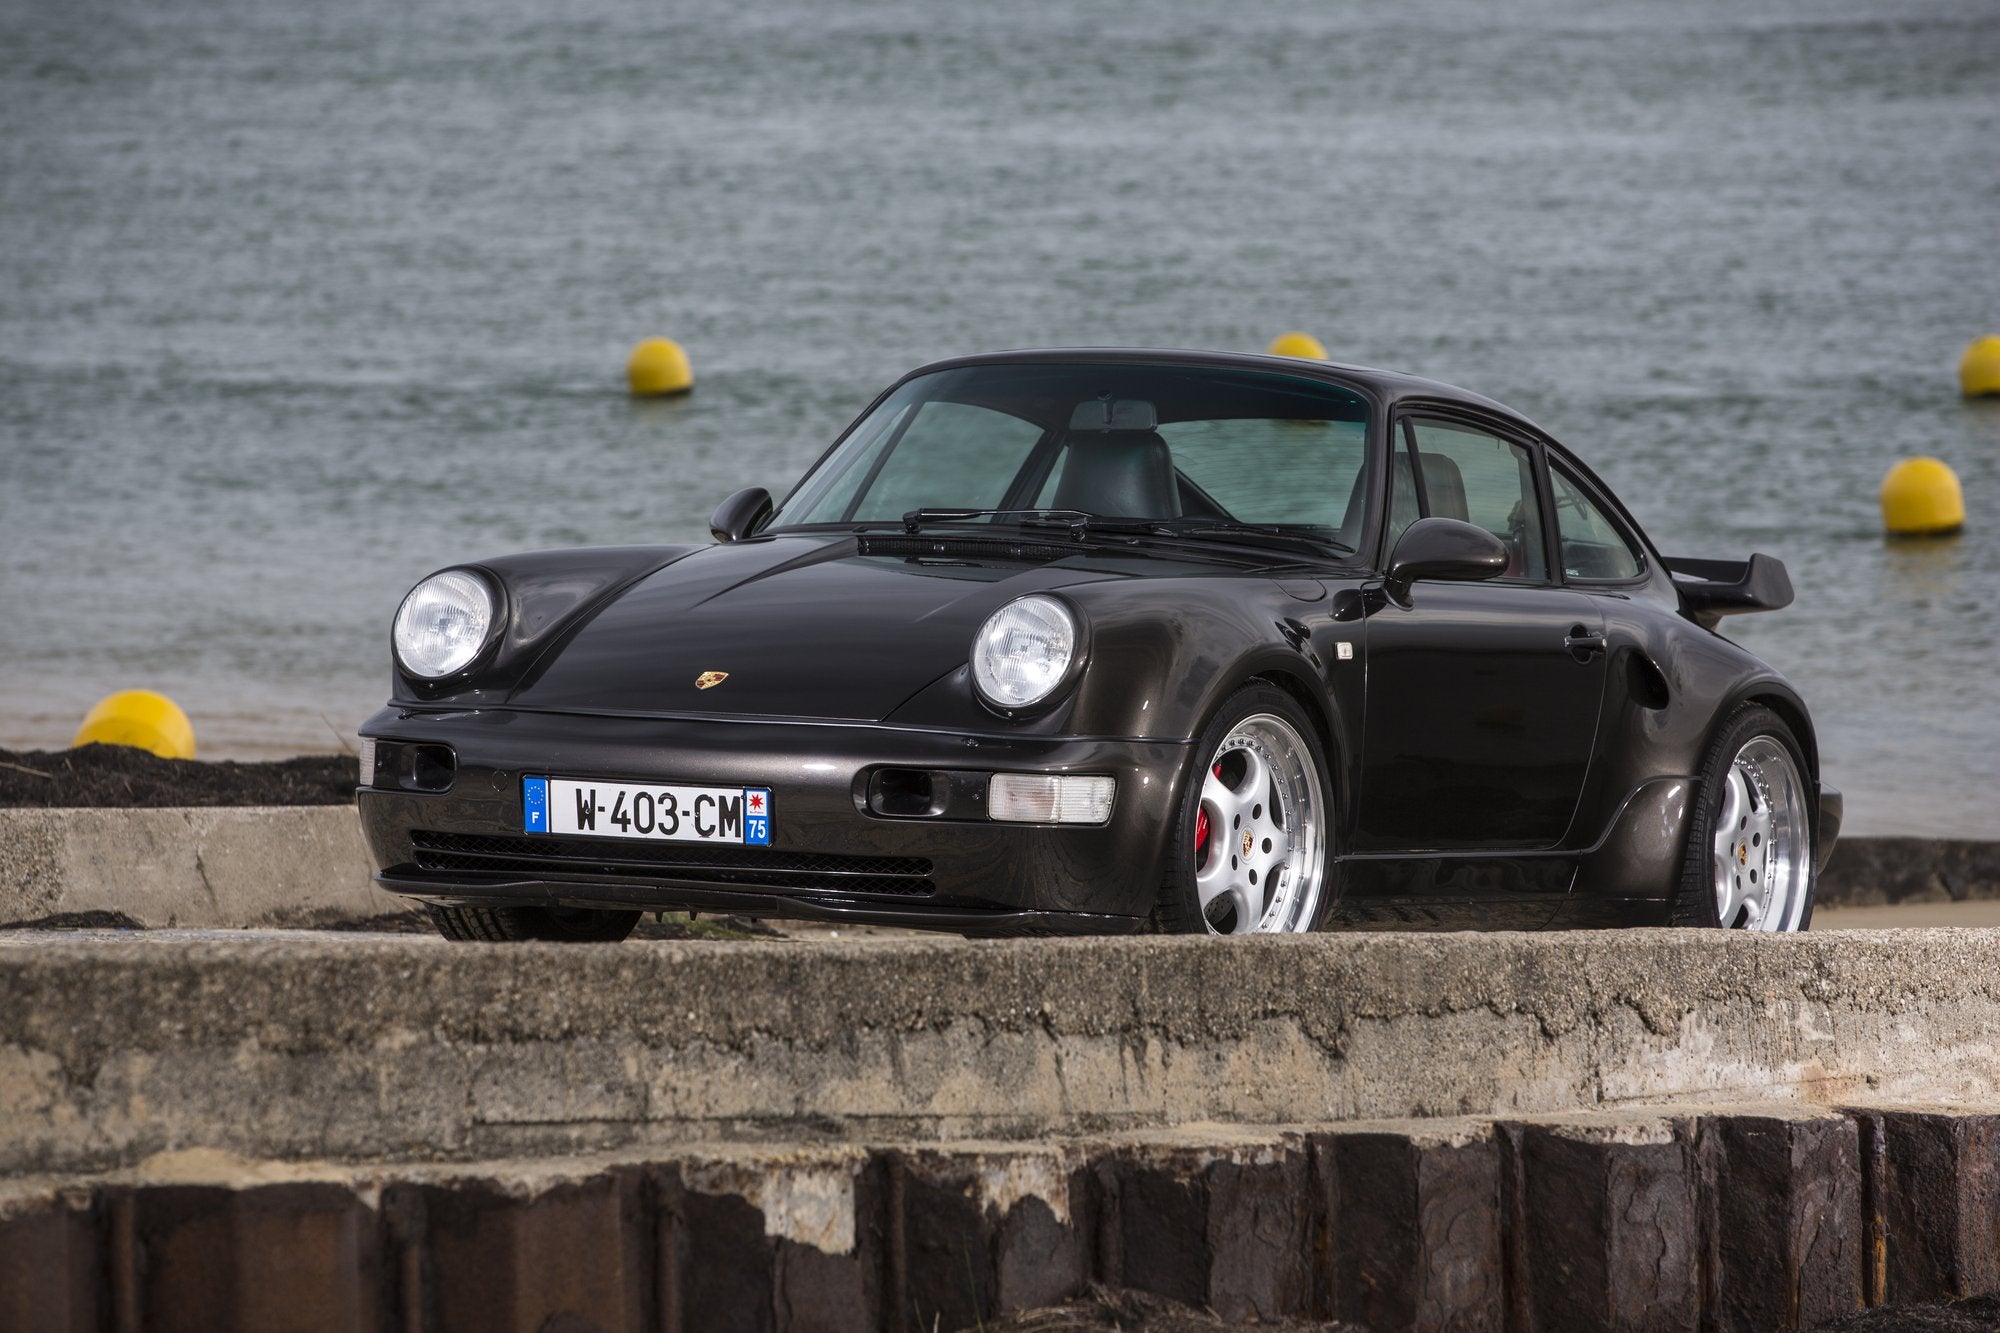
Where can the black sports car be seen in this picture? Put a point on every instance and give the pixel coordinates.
(1082, 641)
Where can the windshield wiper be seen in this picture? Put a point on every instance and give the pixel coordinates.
(1081, 523)
(1297, 540)
(915, 519)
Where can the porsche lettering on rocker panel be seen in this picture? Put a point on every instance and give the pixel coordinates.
(736, 815)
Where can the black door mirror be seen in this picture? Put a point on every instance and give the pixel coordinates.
(740, 515)
(1443, 548)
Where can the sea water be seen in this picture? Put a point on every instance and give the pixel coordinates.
(299, 302)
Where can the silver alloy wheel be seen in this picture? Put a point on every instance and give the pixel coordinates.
(1762, 845)
(1260, 832)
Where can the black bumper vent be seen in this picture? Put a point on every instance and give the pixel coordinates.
(666, 862)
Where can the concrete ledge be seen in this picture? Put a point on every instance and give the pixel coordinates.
(1760, 1218)
(201, 866)
(393, 1048)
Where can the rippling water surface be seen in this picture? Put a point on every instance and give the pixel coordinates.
(299, 302)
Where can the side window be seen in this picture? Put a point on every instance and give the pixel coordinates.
(834, 490)
(1479, 478)
(1403, 507)
(1593, 547)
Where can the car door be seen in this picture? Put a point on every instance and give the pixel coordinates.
(1483, 698)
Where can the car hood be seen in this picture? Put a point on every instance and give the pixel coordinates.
(798, 627)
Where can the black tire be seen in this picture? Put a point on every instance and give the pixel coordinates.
(574, 925)
(1695, 896)
(1179, 909)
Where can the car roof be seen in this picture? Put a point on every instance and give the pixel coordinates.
(1388, 385)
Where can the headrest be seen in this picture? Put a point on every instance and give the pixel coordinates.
(1127, 475)
(1108, 414)
(1444, 485)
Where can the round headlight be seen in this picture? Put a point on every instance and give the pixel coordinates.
(442, 624)
(1024, 651)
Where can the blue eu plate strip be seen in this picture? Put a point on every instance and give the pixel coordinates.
(756, 817)
(535, 804)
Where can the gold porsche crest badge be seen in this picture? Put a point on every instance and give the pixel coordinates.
(1249, 841)
(708, 680)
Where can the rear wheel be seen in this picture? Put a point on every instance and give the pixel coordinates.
(1750, 851)
(1250, 846)
(577, 925)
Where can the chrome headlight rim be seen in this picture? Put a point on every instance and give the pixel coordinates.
(495, 619)
(1061, 683)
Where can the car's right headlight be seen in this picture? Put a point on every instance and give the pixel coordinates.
(1024, 651)
(443, 623)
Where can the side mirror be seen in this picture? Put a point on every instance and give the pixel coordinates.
(740, 515)
(1443, 548)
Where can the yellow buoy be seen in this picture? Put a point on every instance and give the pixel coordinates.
(1921, 498)
(1302, 345)
(1979, 368)
(659, 366)
(141, 719)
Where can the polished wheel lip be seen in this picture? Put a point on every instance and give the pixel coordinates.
(1761, 850)
(1265, 825)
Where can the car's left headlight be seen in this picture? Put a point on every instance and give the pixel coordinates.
(443, 623)
(1024, 650)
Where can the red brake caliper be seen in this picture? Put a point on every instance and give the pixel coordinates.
(1201, 825)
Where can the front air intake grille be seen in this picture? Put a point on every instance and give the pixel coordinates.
(682, 863)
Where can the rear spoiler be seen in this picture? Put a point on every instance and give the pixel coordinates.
(1712, 589)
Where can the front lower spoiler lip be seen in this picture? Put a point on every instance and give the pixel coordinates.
(749, 902)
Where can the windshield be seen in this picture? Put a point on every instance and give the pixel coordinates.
(1190, 448)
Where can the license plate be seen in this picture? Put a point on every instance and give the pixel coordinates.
(737, 815)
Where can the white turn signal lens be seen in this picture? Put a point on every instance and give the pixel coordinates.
(442, 624)
(1045, 798)
(367, 761)
(1023, 651)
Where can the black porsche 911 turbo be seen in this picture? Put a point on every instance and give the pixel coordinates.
(1093, 641)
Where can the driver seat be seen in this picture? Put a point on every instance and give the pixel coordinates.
(1127, 474)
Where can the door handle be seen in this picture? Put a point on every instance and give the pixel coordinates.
(1582, 643)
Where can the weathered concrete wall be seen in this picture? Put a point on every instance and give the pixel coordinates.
(221, 866)
(1762, 1219)
(387, 1048)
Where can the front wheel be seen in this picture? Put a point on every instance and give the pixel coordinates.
(1750, 851)
(1250, 846)
(576, 925)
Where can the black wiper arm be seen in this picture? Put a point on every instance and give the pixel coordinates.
(915, 519)
(1297, 540)
(1081, 523)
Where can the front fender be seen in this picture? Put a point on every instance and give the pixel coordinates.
(1162, 656)
(1161, 675)
(544, 596)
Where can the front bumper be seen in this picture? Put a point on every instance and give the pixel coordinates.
(831, 857)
